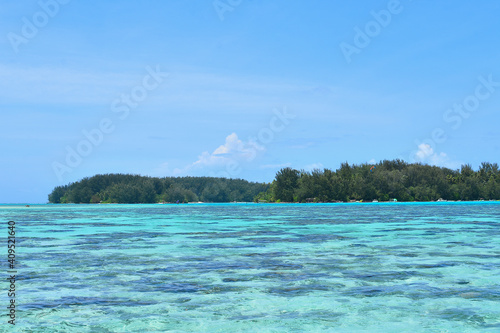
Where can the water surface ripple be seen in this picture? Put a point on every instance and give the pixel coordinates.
(431, 267)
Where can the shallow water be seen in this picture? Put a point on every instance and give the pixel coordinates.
(395, 267)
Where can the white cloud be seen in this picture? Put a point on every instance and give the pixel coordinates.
(228, 157)
(426, 154)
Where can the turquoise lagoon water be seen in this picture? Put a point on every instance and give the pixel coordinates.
(395, 267)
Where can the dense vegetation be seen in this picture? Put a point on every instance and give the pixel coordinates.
(385, 181)
(119, 188)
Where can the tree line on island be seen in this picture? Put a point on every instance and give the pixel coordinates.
(122, 188)
(387, 180)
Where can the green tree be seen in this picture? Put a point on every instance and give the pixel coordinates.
(286, 182)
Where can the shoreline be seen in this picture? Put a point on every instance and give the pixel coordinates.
(28, 205)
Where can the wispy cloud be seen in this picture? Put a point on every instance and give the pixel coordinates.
(275, 166)
(187, 87)
(303, 145)
(54, 85)
(311, 167)
(306, 142)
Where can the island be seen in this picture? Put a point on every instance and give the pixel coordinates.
(388, 180)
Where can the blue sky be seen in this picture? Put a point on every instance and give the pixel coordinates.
(241, 88)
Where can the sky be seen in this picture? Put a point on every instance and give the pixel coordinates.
(241, 88)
